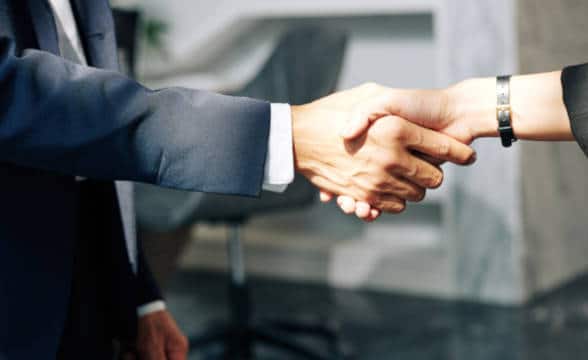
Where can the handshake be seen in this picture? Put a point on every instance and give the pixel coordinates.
(377, 148)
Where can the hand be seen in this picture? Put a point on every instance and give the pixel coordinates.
(433, 109)
(380, 166)
(159, 338)
(467, 111)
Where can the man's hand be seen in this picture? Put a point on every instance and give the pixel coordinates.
(379, 166)
(159, 338)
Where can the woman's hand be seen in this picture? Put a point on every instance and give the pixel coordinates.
(466, 111)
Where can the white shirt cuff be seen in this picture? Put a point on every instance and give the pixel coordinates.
(151, 307)
(279, 164)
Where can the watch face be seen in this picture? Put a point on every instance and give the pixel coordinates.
(503, 111)
(504, 117)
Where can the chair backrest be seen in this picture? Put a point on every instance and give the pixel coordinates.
(304, 66)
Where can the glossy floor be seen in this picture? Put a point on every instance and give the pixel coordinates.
(383, 326)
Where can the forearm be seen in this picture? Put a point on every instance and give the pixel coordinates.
(77, 120)
(538, 110)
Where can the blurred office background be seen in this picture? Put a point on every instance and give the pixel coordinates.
(489, 266)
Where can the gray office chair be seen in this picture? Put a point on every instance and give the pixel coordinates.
(305, 66)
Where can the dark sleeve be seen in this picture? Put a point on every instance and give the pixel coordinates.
(59, 116)
(148, 290)
(574, 81)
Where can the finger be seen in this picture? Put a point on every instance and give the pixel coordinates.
(429, 159)
(178, 348)
(177, 355)
(416, 171)
(404, 189)
(407, 176)
(390, 204)
(152, 353)
(439, 146)
(347, 204)
(326, 196)
(362, 210)
(374, 214)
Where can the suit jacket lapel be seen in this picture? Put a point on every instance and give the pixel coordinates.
(44, 24)
(96, 27)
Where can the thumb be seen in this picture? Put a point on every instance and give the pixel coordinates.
(356, 126)
(364, 115)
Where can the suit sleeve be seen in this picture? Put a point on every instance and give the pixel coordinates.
(59, 116)
(147, 288)
(575, 91)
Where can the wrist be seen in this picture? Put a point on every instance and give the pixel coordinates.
(298, 129)
(538, 111)
(304, 131)
(473, 103)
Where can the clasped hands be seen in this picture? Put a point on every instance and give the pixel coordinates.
(377, 148)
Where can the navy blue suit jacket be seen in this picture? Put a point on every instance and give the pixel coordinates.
(59, 119)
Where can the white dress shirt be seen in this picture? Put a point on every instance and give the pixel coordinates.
(279, 166)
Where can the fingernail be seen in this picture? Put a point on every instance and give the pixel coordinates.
(362, 210)
(473, 158)
(348, 206)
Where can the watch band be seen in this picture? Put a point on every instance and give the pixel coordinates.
(503, 111)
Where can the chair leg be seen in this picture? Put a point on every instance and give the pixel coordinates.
(240, 344)
(239, 335)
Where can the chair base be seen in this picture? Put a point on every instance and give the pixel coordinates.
(240, 335)
(239, 342)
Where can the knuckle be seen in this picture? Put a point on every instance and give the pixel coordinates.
(391, 160)
(396, 128)
(443, 149)
(413, 171)
(418, 138)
